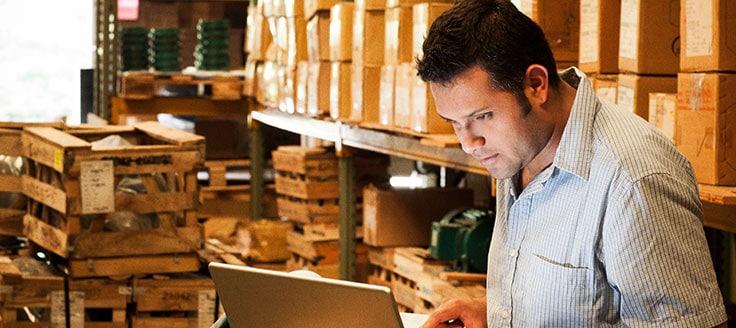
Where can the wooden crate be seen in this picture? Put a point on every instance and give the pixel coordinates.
(92, 302)
(307, 161)
(174, 301)
(308, 211)
(305, 187)
(68, 181)
(146, 85)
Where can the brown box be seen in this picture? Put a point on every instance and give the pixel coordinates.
(424, 117)
(405, 75)
(258, 35)
(318, 37)
(704, 120)
(365, 93)
(386, 98)
(708, 38)
(302, 82)
(340, 100)
(606, 86)
(369, 37)
(341, 31)
(318, 89)
(649, 37)
(296, 31)
(398, 35)
(560, 21)
(404, 216)
(633, 91)
(662, 112)
(312, 7)
(423, 15)
(287, 91)
(294, 8)
(599, 31)
(370, 5)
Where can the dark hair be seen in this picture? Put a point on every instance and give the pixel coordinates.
(492, 34)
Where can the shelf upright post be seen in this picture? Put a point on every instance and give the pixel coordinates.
(346, 201)
(106, 56)
(257, 159)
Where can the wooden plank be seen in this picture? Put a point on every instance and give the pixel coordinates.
(312, 162)
(133, 243)
(45, 235)
(45, 193)
(134, 265)
(724, 195)
(11, 183)
(169, 134)
(325, 252)
(171, 294)
(11, 222)
(306, 189)
(145, 203)
(309, 211)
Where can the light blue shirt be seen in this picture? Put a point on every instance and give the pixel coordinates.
(610, 234)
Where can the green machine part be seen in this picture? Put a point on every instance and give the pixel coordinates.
(463, 235)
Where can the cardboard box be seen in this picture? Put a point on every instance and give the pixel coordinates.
(296, 31)
(294, 8)
(340, 102)
(370, 4)
(302, 81)
(341, 31)
(403, 217)
(708, 38)
(318, 37)
(649, 37)
(318, 89)
(258, 35)
(704, 120)
(560, 21)
(662, 112)
(386, 98)
(633, 91)
(599, 31)
(424, 117)
(287, 93)
(313, 7)
(398, 35)
(369, 37)
(423, 15)
(365, 93)
(606, 86)
(405, 74)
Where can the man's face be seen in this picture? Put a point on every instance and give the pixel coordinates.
(492, 125)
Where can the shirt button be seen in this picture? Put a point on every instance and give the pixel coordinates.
(505, 314)
(513, 252)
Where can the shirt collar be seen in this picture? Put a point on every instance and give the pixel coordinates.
(575, 150)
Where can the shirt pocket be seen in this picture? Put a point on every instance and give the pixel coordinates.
(557, 293)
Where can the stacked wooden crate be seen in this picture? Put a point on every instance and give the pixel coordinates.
(34, 295)
(307, 193)
(179, 300)
(73, 189)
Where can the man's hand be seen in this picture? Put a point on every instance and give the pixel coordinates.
(469, 313)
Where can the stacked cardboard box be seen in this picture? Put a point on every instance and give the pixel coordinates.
(705, 101)
(368, 57)
(648, 52)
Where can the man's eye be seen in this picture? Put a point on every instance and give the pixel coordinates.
(484, 116)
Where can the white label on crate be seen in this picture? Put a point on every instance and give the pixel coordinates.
(76, 309)
(206, 308)
(97, 184)
(589, 22)
(628, 45)
(699, 28)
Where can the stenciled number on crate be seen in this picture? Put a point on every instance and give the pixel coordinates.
(143, 160)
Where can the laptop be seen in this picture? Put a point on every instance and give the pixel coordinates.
(253, 297)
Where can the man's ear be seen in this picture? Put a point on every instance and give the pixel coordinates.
(537, 82)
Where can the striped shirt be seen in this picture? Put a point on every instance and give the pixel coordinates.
(610, 235)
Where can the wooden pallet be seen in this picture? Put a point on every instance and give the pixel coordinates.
(67, 180)
(305, 187)
(310, 162)
(308, 211)
(174, 301)
(147, 85)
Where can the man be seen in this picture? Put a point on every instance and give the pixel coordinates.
(598, 221)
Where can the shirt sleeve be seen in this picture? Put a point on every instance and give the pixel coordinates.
(656, 256)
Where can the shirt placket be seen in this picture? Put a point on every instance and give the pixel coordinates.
(519, 210)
